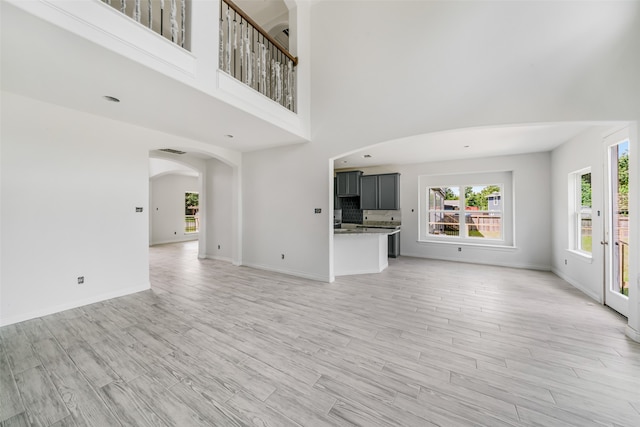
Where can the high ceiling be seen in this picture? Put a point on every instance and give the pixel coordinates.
(45, 62)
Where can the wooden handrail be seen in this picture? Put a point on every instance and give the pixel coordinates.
(261, 30)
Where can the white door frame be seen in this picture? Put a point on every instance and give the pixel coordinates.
(612, 298)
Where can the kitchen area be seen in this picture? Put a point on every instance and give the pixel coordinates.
(367, 221)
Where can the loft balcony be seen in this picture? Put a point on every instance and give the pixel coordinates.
(250, 76)
(246, 51)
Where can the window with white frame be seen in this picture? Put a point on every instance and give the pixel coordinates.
(468, 211)
(473, 208)
(580, 236)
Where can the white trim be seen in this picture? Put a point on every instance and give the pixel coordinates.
(187, 238)
(632, 333)
(496, 264)
(577, 285)
(218, 258)
(288, 272)
(465, 243)
(103, 20)
(505, 179)
(68, 306)
(581, 256)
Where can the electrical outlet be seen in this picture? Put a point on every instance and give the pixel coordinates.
(317, 210)
(459, 249)
(565, 262)
(282, 255)
(218, 247)
(80, 280)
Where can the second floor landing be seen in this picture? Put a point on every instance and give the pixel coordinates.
(77, 54)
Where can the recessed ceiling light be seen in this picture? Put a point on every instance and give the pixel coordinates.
(228, 136)
(111, 98)
(367, 156)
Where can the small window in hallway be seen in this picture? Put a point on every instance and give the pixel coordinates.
(191, 212)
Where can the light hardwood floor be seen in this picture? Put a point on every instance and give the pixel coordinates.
(423, 343)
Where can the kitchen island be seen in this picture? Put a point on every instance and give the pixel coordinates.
(360, 250)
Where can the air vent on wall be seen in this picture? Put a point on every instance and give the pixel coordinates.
(172, 151)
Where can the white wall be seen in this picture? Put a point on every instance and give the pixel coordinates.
(167, 207)
(219, 210)
(532, 225)
(585, 150)
(281, 189)
(71, 183)
(461, 65)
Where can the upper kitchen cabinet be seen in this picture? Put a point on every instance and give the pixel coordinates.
(348, 183)
(369, 192)
(380, 192)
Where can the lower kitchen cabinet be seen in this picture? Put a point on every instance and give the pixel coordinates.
(393, 245)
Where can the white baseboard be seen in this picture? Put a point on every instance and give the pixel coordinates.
(178, 240)
(4, 321)
(632, 333)
(289, 272)
(219, 258)
(497, 264)
(577, 285)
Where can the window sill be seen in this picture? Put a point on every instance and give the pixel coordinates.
(500, 247)
(581, 256)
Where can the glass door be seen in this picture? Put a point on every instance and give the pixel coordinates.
(616, 237)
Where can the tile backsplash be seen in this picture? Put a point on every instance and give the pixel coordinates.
(351, 212)
(381, 216)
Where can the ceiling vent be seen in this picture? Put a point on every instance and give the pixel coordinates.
(172, 151)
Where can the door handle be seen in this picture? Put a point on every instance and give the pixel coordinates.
(604, 243)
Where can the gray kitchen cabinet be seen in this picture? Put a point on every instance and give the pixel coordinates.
(380, 192)
(337, 203)
(389, 191)
(348, 183)
(393, 246)
(369, 192)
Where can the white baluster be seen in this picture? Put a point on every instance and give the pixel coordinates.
(227, 53)
(289, 102)
(263, 68)
(150, 14)
(221, 46)
(241, 49)
(174, 22)
(183, 9)
(161, 17)
(136, 10)
(278, 97)
(247, 51)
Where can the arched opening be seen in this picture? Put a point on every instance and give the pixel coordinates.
(193, 202)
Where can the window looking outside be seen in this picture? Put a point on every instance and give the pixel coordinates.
(191, 216)
(479, 206)
(582, 220)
